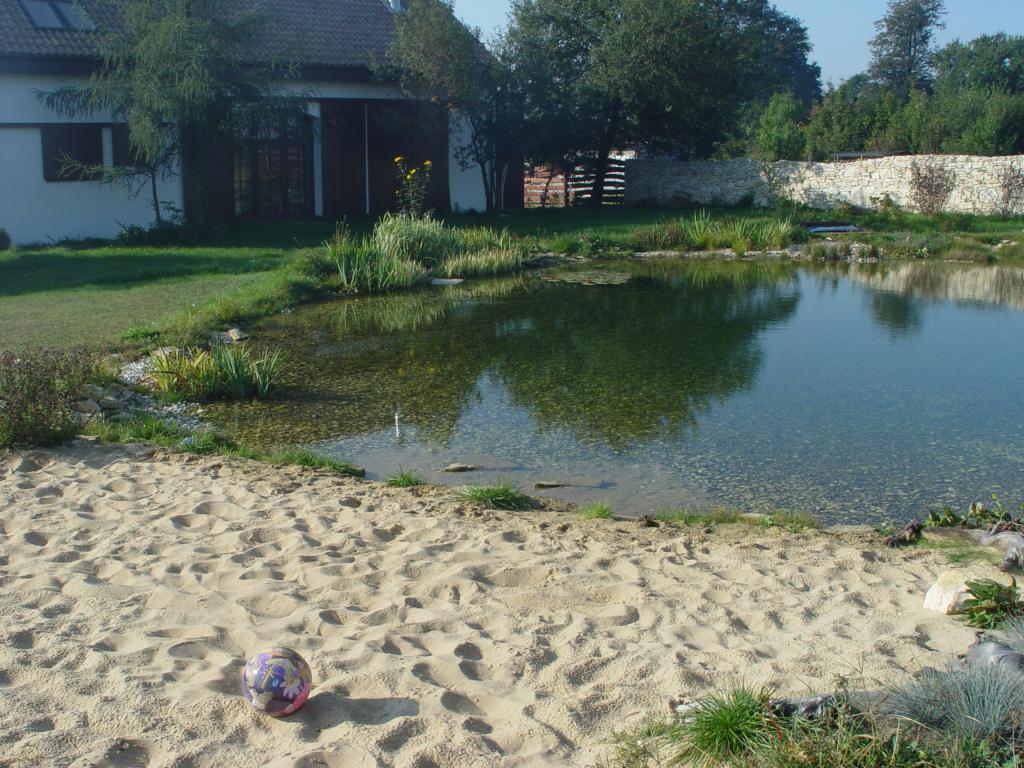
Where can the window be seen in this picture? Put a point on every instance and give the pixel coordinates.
(57, 14)
(63, 144)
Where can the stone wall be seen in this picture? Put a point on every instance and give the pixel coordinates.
(862, 183)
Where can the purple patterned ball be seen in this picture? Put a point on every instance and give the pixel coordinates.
(277, 683)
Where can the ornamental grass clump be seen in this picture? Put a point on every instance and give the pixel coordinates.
(37, 393)
(504, 496)
(225, 371)
(724, 726)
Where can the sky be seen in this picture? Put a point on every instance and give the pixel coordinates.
(840, 29)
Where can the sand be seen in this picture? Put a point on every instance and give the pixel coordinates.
(134, 584)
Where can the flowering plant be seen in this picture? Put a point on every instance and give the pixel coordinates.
(413, 182)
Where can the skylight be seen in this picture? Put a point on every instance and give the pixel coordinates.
(57, 14)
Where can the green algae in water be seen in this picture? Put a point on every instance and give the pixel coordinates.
(846, 391)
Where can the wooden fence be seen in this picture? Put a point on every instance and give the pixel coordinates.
(546, 187)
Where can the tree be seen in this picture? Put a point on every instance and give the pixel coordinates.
(181, 73)
(779, 133)
(990, 62)
(674, 75)
(434, 55)
(902, 47)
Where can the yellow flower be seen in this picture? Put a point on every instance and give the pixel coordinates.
(412, 172)
(427, 164)
(399, 159)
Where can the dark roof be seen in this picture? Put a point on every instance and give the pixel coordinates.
(311, 34)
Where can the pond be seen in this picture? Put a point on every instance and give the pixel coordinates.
(859, 393)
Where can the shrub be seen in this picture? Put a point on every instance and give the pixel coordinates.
(931, 184)
(37, 391)
(233, 372)
(1011, 188)
(500, 496)
(5, 240)
(405, 479)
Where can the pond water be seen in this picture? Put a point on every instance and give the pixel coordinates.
(856, 393)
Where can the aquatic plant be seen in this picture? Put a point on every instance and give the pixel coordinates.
(489, 262)
(596, 510)
(502, 495)
(405, 478)
(37, 391)
(233, 372)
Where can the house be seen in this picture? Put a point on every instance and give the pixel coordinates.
(342, 167)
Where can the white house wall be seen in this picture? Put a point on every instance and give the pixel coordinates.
(33, 210)
(466, 185)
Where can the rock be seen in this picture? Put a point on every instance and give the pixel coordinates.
(110, 404)
(446, 281)
(461, 468)
(236, 335)
(541, 485)
(90, 392)
(948, 593)
(88, 406)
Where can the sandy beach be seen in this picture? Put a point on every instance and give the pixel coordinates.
(133, 585)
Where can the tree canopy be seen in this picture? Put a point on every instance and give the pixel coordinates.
(675, 75)
(435, 56)
(902, 49)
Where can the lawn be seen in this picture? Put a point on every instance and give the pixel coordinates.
(96, 293)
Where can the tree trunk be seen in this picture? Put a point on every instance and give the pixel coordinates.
(193, 156)
(488, 187)
(601, 162)
(156, 198)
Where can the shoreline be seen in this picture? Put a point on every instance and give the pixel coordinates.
(136, 582)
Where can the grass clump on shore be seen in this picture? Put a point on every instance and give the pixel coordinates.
(504, 496)
(37, 392)
(404, 250)
(596, 510)
(405, 479)
(150, 430)
(703, 232)
(790, 521)
(227, 371)
(962, 717)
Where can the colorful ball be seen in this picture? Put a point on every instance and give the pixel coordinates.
(277, 683)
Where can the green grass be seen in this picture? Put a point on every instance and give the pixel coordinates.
(790, 521)
(107, 294)
(297, 457)
(957, 718)
(725, 725)
(405, 478)
(959, 551)
(502, 495)
(149, 430)
(596, 510)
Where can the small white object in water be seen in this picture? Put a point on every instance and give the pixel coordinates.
(445, 281)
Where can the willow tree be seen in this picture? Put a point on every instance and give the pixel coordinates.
(188, 80)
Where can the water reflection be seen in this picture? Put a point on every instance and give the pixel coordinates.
(615, 364)
(832, 389)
